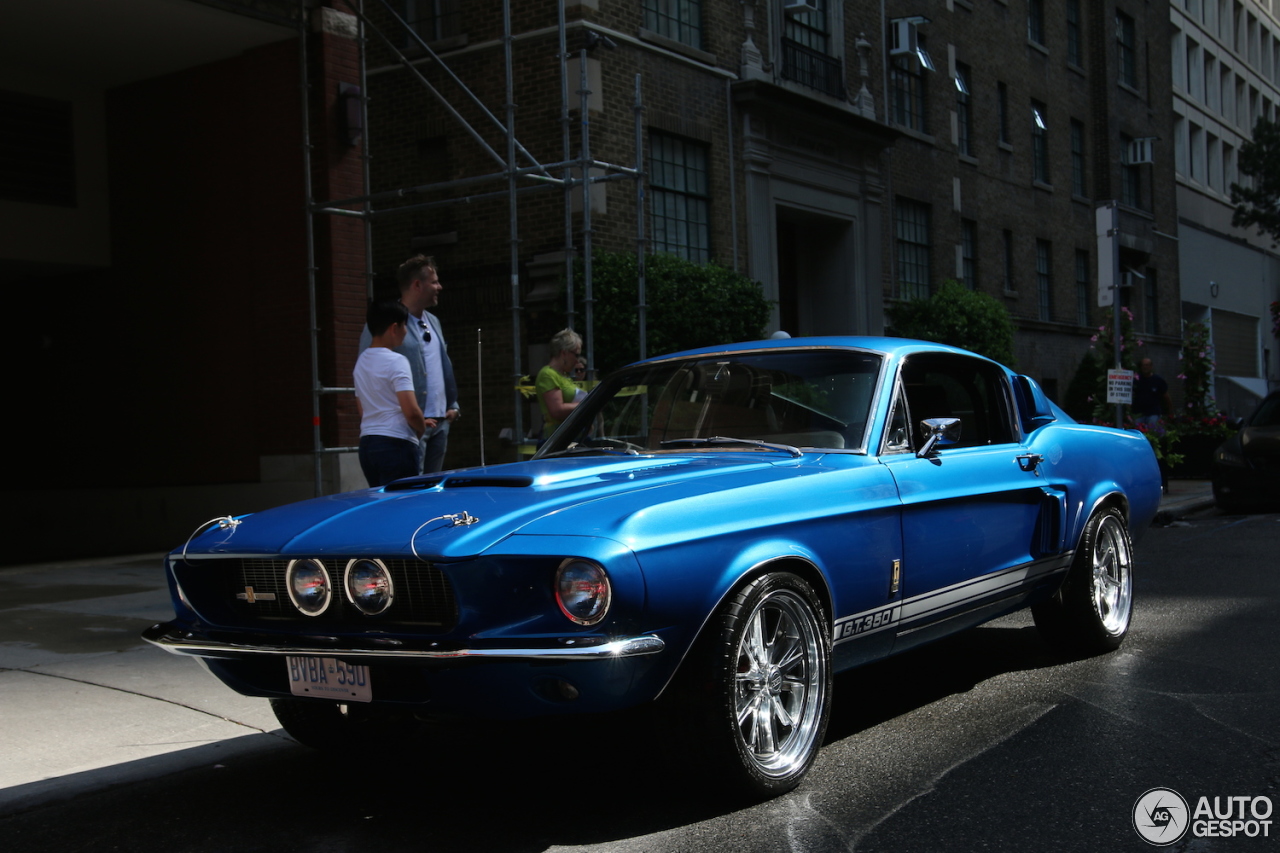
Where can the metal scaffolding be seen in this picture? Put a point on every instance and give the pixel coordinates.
(572, 174)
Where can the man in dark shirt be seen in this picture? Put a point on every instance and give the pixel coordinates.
(1150, 395)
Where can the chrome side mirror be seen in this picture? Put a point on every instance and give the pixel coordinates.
(941, 432)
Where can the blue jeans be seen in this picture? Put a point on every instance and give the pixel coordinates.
(432, 446)
(383, 459)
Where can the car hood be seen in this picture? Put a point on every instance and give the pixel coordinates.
(460, 514)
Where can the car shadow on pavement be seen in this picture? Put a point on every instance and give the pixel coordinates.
(921, 676)
(500, 787)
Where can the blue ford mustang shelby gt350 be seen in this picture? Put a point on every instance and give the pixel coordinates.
(715, 531)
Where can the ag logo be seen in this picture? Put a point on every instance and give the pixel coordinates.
(1161, 816)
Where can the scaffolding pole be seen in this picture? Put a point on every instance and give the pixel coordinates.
(513, 224)
(305, 90)
(584, 119)
(538, 172)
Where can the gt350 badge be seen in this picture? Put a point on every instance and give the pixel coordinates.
(864, 623)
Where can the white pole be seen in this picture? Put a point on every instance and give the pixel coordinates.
(480, 392)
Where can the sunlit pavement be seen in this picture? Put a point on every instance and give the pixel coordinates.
(85, 703)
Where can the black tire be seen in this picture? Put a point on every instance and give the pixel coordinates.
(331, 726)
(1091, 611)
(755, 694)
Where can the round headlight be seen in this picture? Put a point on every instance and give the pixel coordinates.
(308, 585)
(582, 591)
(368, 585)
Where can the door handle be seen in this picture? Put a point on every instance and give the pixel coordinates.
(1029, 461)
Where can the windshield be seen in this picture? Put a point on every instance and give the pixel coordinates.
(1268, 414)
(770, 400)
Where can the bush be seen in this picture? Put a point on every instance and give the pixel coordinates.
(689, 305)
(1090, 376)
(960, 317)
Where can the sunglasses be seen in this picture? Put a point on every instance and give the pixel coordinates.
(426, 330)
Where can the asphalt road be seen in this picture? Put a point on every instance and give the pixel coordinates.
(983, 742)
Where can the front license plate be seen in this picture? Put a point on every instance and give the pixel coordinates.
(329, 678)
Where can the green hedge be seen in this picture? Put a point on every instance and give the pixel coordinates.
(689, 305)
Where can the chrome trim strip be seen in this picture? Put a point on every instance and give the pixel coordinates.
(923, 610)
(180, 642)
(976, 590)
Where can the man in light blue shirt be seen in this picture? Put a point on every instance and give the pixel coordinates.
(428, 354)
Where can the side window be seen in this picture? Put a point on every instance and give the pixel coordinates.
(897, 437)
(941, 385)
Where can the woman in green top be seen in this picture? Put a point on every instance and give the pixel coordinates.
(556, 391)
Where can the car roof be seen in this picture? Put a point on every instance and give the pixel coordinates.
(892, 347)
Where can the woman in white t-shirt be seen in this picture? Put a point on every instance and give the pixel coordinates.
(390, 419)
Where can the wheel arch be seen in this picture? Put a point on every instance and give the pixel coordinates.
(750, 567)
(1114, 499)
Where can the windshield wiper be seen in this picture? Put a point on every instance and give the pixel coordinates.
(587, 448)
(721, 440)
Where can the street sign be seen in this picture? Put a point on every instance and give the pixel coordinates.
(1107, 221)
(1120, 387)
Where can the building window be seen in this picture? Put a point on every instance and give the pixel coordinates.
(1078, 186)
(1002, 111)
(1074, 54)
(806, 51)
(1150, 305)
(964, 115)
(1195, 152)
(907, 91)
(969, 253)
(1083, 290)
(680, 20)
(911, 227)
(433, 20)
(1044, 278)
(1130, 177)
(1126, 42)
(1006, 238)
(679, 197)
(37, 150)
(1035, 21)
(1039, 143)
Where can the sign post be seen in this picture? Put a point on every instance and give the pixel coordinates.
(1107, 220)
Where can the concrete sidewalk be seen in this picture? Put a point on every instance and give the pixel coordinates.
(85, 703)
(1183, 498)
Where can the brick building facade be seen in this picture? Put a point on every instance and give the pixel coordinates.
(1019, 132)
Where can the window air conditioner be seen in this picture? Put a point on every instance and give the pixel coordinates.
(1139, 151)
(797, 7)
(903, 41)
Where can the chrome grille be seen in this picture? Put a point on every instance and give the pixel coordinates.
(423, 594)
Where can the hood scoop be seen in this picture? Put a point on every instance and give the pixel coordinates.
(488, 482)
(418, 484)
(412, 484)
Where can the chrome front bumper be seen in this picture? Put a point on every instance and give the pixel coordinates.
(174, 639)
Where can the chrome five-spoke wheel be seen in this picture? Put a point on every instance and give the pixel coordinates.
(757, 689)
(781, 683)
